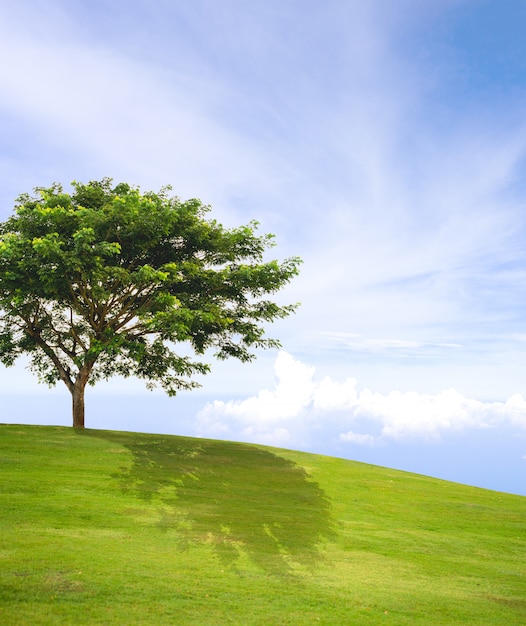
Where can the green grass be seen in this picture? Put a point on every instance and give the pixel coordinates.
(123, 528)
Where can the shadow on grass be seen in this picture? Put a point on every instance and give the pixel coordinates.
(242, 500)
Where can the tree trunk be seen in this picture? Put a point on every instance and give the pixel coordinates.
(77, 394)
(78, 406)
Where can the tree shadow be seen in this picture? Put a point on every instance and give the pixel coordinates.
(242, 500)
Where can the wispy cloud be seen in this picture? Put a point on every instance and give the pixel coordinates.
(113, 113)
(354, 342)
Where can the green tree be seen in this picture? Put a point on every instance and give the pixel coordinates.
(108, 281)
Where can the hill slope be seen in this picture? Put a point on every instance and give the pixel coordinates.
(122, 528)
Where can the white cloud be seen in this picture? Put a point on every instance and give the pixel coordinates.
(410, 414)
(300, 406)
(331, 395)
(358, 438)
(515, 409)
(256, 418)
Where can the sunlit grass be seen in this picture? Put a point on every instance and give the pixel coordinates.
(121, 528)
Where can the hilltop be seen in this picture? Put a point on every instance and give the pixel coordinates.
(101, 527)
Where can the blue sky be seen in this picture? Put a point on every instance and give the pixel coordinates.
(384, 143)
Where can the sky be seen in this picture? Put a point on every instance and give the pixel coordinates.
(382, 142)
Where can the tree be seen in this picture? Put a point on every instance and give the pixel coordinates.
(108, 280)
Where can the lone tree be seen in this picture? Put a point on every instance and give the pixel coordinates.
(106, 280)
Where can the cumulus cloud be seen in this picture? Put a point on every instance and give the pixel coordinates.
(301, 407)
(410, 414)
(256, 418)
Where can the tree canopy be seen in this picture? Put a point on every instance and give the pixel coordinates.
(107, 280)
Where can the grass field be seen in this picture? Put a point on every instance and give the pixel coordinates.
(123, 528)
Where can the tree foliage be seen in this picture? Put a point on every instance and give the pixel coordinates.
(108, 280)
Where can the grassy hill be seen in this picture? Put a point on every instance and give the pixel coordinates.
(123, 528)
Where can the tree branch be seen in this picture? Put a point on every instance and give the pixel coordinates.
(63, 371)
